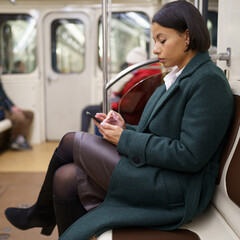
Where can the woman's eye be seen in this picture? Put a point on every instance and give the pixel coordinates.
(162, 42)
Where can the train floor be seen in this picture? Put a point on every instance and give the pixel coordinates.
(21, 176)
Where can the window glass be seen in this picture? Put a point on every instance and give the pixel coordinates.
(17, 43)
(128, 30)
(213, 27)
(68, 45)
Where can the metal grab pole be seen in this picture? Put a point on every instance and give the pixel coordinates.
(105, 53)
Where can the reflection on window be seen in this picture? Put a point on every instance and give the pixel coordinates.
(212, 28)
(68, 45)
(17, 43)
(128, 30)
(212, 24)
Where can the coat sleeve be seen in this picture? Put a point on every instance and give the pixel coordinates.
(131, 127)
(5, 100)
(206, 117)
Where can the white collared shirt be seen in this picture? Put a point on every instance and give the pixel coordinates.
(171, 77)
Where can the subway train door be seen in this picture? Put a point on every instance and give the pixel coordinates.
(228, 37)
(67, 81)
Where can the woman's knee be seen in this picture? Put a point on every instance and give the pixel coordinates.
(65, 181)
(67, 138)
(65, 148)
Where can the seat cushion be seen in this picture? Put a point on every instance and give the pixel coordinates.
(5, 125)
(151, 234)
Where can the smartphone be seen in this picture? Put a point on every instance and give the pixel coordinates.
(90, 115)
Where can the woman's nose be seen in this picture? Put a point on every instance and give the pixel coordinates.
(156, 49)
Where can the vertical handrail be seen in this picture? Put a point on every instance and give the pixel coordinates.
(108, 104)
(105, 53)
(205, 10)
(202, 6)
(109, 38)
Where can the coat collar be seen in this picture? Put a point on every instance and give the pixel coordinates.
(198, 60)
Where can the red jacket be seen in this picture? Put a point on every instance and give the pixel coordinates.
(137, 77)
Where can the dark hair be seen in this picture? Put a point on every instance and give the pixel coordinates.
(182, 15)
(17, 64)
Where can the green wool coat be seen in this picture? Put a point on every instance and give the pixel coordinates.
(170, 160)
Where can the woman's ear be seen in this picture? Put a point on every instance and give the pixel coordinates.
(187, 37)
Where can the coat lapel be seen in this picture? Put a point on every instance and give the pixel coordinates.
(161, 100)
(164, 98)
(159, 92)
(164, 95)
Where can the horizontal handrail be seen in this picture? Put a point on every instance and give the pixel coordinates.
(119, 76)
(128, 70)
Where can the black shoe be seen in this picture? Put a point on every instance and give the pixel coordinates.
(41, 214)
(25, 218)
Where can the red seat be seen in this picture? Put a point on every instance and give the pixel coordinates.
(134, 100)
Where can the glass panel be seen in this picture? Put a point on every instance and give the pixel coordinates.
(211, 17)
(128, 30)
(17, 43)
(68, 45)
(212, 24)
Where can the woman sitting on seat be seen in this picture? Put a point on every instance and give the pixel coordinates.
(160, 173)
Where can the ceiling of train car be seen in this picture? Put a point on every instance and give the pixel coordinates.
(213, 4)
(79, 1)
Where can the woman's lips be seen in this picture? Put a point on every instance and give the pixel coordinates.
(161, 60)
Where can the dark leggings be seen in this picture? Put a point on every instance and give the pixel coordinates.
(90, 173)
(65, 178)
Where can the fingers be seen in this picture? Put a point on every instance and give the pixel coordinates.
(109, 121)
(109, 116)
(101, 116)
(112, 117)
(110, 132)
(105, 128)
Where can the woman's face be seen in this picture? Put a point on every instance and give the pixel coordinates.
(170, 46)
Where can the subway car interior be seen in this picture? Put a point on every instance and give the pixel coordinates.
(57, 57)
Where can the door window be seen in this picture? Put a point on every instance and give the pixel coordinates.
(68, 45)
(17, 43)
(128, 30)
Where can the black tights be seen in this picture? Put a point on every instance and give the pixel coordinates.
(65, 178)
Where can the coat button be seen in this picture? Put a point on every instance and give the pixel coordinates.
(136, 160)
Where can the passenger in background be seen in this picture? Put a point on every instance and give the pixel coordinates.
(19, 67)
(21, 120)
(136, 55)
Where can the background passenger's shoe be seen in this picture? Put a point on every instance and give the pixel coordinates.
(20, 146)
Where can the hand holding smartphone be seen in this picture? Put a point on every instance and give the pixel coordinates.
(90, 115)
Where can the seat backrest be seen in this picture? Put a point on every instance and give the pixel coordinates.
(227, 195)
(134, 100)
(232, 134)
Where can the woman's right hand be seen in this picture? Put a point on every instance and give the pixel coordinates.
(113, 118)
(111, 127)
